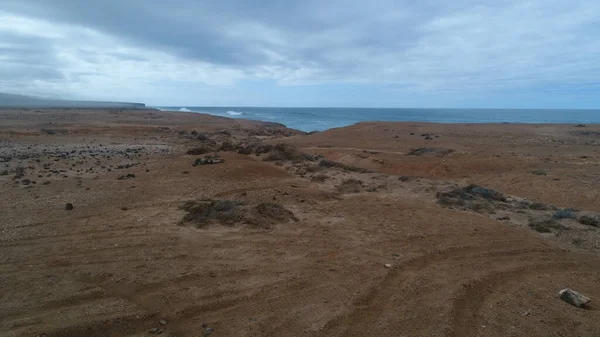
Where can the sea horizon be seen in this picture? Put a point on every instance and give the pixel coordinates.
(323, 118)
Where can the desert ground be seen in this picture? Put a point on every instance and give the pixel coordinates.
(376, 229)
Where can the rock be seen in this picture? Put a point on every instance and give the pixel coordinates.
(47, 182)
(574, 298)
(589, 221)
(388, 265)
(162, 322)
(126, 176)
(25, 181)
(69, 206)
(208, 331)
(155, 331)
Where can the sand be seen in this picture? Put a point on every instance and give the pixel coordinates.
(374, 249)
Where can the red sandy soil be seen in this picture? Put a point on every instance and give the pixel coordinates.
(121, 263)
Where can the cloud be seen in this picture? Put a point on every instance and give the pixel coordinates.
(143, 50)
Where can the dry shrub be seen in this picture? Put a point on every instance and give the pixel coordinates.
(230, 212)
(546, 225)
(320, 178)
(199, 150)
(351, 186)
(429, 151)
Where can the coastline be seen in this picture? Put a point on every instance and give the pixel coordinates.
(320, 119)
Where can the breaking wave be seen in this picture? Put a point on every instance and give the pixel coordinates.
(234, 113)
(185, 110)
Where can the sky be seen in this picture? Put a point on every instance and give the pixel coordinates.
(351, 53)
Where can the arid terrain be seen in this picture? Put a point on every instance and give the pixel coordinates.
(142, 223)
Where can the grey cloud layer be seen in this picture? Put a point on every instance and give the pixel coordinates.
(428, 45)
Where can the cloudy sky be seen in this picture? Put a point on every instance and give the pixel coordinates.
(428, 53)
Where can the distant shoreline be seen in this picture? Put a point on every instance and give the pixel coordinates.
(320, 119)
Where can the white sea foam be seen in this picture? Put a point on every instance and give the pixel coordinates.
(234, 113)
(185, 110)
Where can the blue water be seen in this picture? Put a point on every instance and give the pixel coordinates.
(319, 119)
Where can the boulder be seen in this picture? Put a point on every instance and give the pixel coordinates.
(574, 298)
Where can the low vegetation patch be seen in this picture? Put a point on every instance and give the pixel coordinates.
(282, 152)
(199, 150)
(472, 197)
(546, 225)
(328, 164)
(351, 186)
(429, 151)
(202, 213)
(320, 178)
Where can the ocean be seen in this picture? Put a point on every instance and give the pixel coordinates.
(319, 119)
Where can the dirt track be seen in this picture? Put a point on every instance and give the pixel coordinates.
(119, 262)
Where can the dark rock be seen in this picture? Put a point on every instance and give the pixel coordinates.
(25, 181)
(126, 176)
(574, 298)
(566, 213)
(69, 206)
(589, 221)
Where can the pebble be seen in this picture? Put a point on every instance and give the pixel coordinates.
(162, 322)
(208, 331)
(69, 206)
(388, 265)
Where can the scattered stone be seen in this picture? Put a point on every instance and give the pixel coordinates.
(124, 208)
(574, 298)
(162, 322)
(25, 181)
(69, 206)
(47, 182)
(208, 331)
(155, 331)
(126, 176)
(208, 160)
(388, 265)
